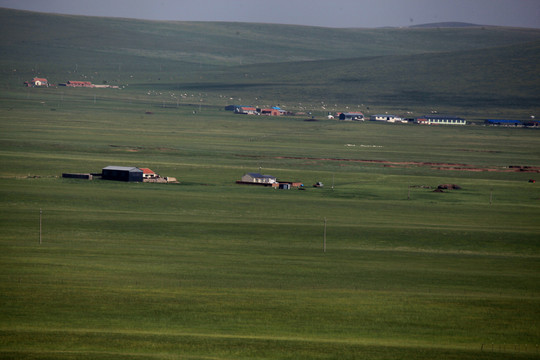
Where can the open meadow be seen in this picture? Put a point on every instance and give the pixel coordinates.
(374, 265)
(211, 269)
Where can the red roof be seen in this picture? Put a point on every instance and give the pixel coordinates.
(80, 82)
(146, 171)
(39, 79)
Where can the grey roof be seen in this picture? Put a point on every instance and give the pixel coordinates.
(123, 168)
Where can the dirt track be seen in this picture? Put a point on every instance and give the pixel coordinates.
(433, 165)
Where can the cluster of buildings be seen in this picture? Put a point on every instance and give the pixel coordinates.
(433, 119)
(425, 120)
(344, 116)
(354, 116)
(42, 82)
(135, 174)
(389, 118)
(37, 82)
(252, 110)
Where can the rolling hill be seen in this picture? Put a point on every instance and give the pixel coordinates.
(453, 24)
(470, 68)
(506, 77)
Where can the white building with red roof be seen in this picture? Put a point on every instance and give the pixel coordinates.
(37, 82)
(148, 174)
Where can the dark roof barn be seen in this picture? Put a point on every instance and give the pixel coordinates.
(122, 173)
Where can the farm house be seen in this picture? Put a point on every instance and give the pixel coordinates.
(258, 178)
(148, 174)
(122, 173)
(37, 82)
(440, 120)
(387, 118)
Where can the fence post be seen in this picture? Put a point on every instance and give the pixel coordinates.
(40, 213)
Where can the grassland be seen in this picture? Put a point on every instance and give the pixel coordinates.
(208, 269)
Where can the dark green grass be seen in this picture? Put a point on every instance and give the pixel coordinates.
(121, 129)
(480, 83)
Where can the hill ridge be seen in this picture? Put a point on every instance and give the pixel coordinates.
(447, 24)
(226, 43)
(461, 68)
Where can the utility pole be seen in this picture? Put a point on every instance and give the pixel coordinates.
(324, 238)
(40, 213)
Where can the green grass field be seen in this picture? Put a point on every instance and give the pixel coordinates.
(208, 269)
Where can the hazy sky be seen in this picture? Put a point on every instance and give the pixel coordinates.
(330, 13)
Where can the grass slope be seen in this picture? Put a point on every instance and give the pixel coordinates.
(474, 72)
(230, 43)
(479, 82)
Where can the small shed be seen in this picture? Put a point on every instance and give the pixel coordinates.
(122, 173)
(72, 83)
(271, 112)
(351, 116)
(234, 107)
(77, 176)
(246, 110)
(148, 174)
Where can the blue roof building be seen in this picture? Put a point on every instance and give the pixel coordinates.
(504, 122)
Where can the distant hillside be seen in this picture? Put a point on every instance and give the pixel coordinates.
(464, 66)
(507, 76)
(65, 39)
